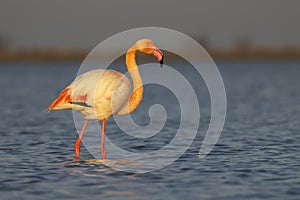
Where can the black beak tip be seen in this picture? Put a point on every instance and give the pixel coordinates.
(161, 62)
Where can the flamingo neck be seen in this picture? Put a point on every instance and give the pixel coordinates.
(137, 95)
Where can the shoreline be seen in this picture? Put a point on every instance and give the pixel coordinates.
(74, 55)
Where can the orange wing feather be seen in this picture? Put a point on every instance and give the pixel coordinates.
(64, 97)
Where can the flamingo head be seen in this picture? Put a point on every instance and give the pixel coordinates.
(147, 46)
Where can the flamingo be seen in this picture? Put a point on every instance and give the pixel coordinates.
(99, 94)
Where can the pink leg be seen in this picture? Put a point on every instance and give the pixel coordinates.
(103, 152)
(77, 144)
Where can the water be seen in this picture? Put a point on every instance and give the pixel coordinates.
(257, 156)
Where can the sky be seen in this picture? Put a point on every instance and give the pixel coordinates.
(83, 24)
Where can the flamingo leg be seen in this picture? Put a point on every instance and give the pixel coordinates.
(77, 144)
(103, 152)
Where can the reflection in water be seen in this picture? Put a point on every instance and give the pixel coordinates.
(100, 165)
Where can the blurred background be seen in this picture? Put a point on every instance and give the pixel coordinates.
(70, 29)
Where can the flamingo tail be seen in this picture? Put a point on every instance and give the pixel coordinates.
(62, 102)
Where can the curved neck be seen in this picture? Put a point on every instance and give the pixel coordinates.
(137, 95)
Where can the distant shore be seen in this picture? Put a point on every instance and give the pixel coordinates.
(233, 54)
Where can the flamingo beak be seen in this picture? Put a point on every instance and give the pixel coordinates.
(161, 62)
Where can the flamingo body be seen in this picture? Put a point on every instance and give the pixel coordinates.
(97, 94)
